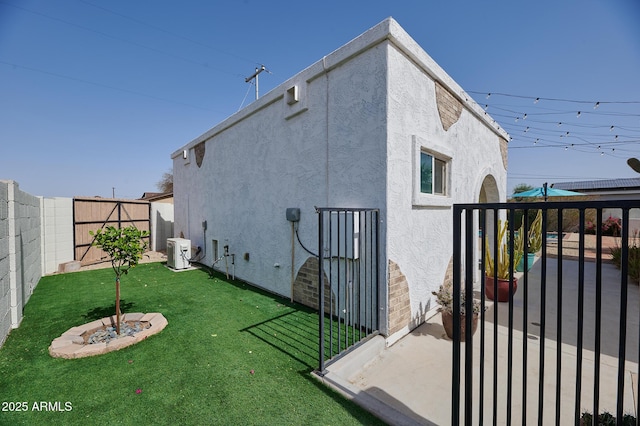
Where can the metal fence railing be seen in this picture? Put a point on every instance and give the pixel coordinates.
(565, 341)
(349, 246)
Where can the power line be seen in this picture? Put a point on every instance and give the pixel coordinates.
(124, 40)
(199, 43)
(11, 64)
(546, 176)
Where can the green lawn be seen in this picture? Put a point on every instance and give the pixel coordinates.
(196, 371)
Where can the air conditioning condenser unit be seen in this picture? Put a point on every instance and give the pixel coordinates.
(178, 253)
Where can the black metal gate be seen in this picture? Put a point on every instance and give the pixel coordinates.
(522, 390)
(349, 248)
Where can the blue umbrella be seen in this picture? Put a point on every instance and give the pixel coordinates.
(545, 192)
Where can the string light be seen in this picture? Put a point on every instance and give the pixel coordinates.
(540, 132)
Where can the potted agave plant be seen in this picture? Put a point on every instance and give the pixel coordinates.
(498, 268)
(444, 297)
(534, 242)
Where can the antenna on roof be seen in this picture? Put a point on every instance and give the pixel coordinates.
(255, 75)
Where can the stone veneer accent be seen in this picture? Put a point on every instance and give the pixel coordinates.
(399, 300)
(305, 286)
(71, 343)
(199, 150)
(503, 151)
(449, 107)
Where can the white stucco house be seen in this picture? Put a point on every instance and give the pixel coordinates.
(376, 123)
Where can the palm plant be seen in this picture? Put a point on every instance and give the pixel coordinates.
(500, 266)
(535, 234)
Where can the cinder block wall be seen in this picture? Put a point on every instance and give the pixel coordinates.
(28, 260)
(5, 296)
(20, 252)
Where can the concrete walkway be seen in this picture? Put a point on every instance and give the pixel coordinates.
(410, 382)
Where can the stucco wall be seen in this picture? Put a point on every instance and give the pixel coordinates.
(57, 232)
(419, 228)
(327, 149)
(161, 224)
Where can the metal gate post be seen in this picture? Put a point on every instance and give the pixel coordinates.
(320, 293)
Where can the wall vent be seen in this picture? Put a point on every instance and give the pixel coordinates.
(292, 95)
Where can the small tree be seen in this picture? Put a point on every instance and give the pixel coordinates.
(125, 247)
(521, 187)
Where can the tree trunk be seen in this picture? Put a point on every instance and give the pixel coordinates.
(117, 305)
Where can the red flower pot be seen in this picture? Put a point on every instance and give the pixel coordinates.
(503, 289)
(447, 322)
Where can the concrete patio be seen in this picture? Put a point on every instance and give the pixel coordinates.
(410, 382)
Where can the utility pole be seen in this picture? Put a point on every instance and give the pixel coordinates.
(255, 75)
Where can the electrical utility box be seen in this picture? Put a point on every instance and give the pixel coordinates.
(178, 253)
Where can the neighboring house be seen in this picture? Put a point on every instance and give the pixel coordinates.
(609, 189)
(158, 197)
(377, 123)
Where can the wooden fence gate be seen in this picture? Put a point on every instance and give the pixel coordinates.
(90, 214)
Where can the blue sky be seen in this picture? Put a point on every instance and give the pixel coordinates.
(96, 95)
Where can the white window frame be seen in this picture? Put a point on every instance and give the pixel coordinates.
(437, 151)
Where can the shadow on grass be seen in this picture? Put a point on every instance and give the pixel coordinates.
(296, 333)
(292, 333)
(106, 311)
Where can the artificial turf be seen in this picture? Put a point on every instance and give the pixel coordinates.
(231, 354)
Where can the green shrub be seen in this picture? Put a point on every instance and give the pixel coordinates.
(607, 419)
(633, 265)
